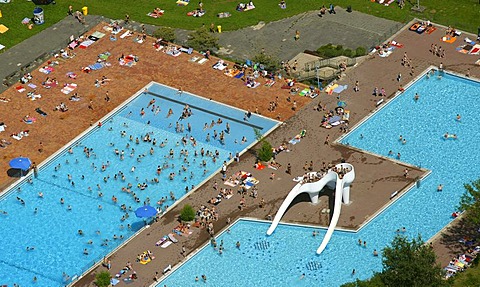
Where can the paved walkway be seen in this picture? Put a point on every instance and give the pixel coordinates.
(348, 29)
(35, 50)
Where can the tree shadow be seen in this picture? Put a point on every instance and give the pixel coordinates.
(460, 236)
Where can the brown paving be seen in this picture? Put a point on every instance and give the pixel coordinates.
(376, 178)
(58, 128)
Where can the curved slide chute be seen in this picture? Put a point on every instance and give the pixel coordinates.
(342, 191)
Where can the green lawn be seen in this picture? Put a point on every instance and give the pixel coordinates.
(462, 14)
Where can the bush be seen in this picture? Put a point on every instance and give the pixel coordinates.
(102, 279)
(270, 63)
(165, 33)
(202, 40)
(360, 51)
(265, 152)
(332, 51)
(187, 213)
(348, 53)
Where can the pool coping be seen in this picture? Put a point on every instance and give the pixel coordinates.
(30, 175)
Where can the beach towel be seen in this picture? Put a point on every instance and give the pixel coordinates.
(71, 75)
(20, 89)
(254, 86)
(194, 59)
(182, 3)
(68, 88)
(98, 35)
(3, 29)
(448, 39)
(127, 33)
(304, 92)
(186, 50)
(166, 244)
(475, 50)
(270, 83)
(238, 76)
(46, 70)
(86, 44)
(430, 30)
(202, 61)
(114, 281)
(33, 86)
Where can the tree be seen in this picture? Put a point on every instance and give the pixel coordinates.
(187, 213)
(269, 62)
(103, 279)
(165, 33)
(469, 201)
(202, 40)
(410, 263)
(406, 263)
(265, 152)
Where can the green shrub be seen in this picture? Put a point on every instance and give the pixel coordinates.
(270, 63)
(102, 279)
(202, 40)
(348, 53)
(187, 213)
(165, 33)
(265, 152)
(360, 51)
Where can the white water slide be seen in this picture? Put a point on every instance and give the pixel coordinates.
(333, 181)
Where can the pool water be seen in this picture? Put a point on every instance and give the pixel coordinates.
(422, 210)
(87, 184)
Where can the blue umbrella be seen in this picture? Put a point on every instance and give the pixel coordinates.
(22, 163)
(341, 104)
(145, 211)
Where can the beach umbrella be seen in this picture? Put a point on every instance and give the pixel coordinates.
(341, 104)
(22, 163)
(145, 211)
(340, 89)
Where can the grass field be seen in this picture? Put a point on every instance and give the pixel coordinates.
(462, 14)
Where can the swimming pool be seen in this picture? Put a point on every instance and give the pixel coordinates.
(87, 184)
(290, 250)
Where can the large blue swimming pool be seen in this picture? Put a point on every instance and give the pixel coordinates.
(88, 183)
(281, 259)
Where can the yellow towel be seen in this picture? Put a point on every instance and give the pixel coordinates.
(3, 28)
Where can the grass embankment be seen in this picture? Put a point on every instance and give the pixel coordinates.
(462, 14)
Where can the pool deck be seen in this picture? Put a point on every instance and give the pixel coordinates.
(376, 178)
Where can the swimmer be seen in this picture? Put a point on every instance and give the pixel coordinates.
(40, 194)
(69, 207)
(237, 244)
(459, 117)
(404, 141)
(302, 276)
(404, 229)
(416, 97)
(375, 252)
(80, 232)
(30, 248)
(440, 187)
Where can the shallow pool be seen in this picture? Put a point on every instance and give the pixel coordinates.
(423, 210)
